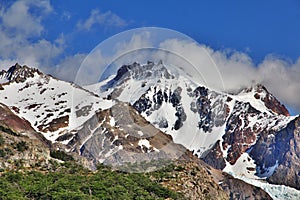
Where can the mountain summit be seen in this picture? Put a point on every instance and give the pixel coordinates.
(17, 73)
(152, 111)
(237, 133)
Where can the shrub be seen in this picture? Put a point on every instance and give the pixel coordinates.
(2, 153)
(1, 140)
(8, 130)
(22, 146)
(61, 155)
(65, 184)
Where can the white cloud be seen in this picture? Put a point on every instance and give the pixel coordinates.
(222, 70)
(238, 71)
(19, 18)
(20, 38)
(68, 68)
(20, 35)
(137, 41)
(91, 68)
(112, 53)
(107, 19)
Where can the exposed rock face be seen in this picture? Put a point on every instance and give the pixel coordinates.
(148, 105)
(140, 72)
(214, 157)
(9, 120)
(280, 149)
(55, 124)
(20, 146)
(120, 135)
(29, 154)
(270, 101)
(238, 189)
(193, 181)
(246, 128)
(238, 135)
(18, 73)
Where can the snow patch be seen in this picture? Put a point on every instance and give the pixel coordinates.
(112, 121)
(144, 142)
(244, 167)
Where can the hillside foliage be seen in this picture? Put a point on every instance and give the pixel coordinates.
(75, 182)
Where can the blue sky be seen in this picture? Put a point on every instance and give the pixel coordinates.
(55, 36)
(257, 27)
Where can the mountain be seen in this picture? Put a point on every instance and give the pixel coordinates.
(81, 121)
(249, 134)
(47, 102)
(48, 120)
(151, 113)
(17, 73)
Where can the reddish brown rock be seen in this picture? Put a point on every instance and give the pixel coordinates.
(9, 120)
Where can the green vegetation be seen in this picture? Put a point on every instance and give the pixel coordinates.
(2, 153)
(21, 146)
(75, 182)
(8, 130)
(61, 155)
(1, 140)
(5, 152)
(68, 180)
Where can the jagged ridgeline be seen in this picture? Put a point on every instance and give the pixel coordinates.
(147, 113)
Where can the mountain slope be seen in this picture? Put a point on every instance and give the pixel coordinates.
(52, 107)
(187, 176)
(222, 129)
(113, 138)
(101, 130)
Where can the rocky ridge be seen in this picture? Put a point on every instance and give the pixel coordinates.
(99, 121)
(224, 130)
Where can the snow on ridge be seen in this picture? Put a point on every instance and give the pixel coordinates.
(277, 192)
(245, 169)
(41, 99)
(144, 142)
(249, 98)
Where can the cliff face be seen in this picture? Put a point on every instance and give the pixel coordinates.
(283, 151)
(18, 73)
(9, 120)
(270, 101)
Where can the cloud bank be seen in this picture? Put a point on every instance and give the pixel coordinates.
(21, 39)
(225, 70)
(281, 77)
(20, 34)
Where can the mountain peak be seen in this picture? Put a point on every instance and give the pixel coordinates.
(147, 72)
(140, 71)
(261, 93)
(18, 73)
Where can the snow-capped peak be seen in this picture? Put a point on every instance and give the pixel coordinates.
(138, 72)
(217, 127)
(260, 98)
(53, 107)
(17, 73)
